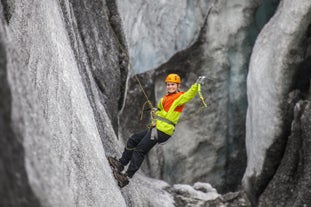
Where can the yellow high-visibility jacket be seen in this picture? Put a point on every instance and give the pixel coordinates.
(170, 107)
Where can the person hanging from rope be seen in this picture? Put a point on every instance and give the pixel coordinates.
(162, 127)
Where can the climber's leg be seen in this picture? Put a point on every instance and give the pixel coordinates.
(139, 153)
(132, 142)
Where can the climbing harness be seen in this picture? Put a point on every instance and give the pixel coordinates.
(163, 119)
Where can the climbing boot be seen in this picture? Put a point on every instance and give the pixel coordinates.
(122, 179)
(115, 164)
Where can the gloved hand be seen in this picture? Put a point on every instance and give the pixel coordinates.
(153, 115)
(200, 80)
(153, 111)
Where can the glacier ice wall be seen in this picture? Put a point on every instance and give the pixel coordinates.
(158, 29)
(279, 51)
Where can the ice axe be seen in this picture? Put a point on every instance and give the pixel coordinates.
(201, 79)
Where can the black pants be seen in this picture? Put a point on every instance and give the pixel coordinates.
(138, 145)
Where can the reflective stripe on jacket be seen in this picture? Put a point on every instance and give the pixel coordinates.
(170, 107)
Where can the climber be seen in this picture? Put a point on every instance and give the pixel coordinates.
(162, 127)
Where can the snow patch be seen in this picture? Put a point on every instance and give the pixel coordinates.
(201, 191)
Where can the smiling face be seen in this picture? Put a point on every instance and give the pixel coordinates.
(172, 87)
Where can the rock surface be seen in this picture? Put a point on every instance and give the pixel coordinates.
(15, 188)
(52, 113)
(156, 30)
(196, 195)
(203, 195)
(63, 105)
(291, 183)
(271, 76)
(58, 120)
(57, 123)
(236, 199)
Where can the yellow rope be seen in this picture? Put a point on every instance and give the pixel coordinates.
(144, 92)
(201, 96)
(143, 109)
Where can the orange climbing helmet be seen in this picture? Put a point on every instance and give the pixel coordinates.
(173, 78)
